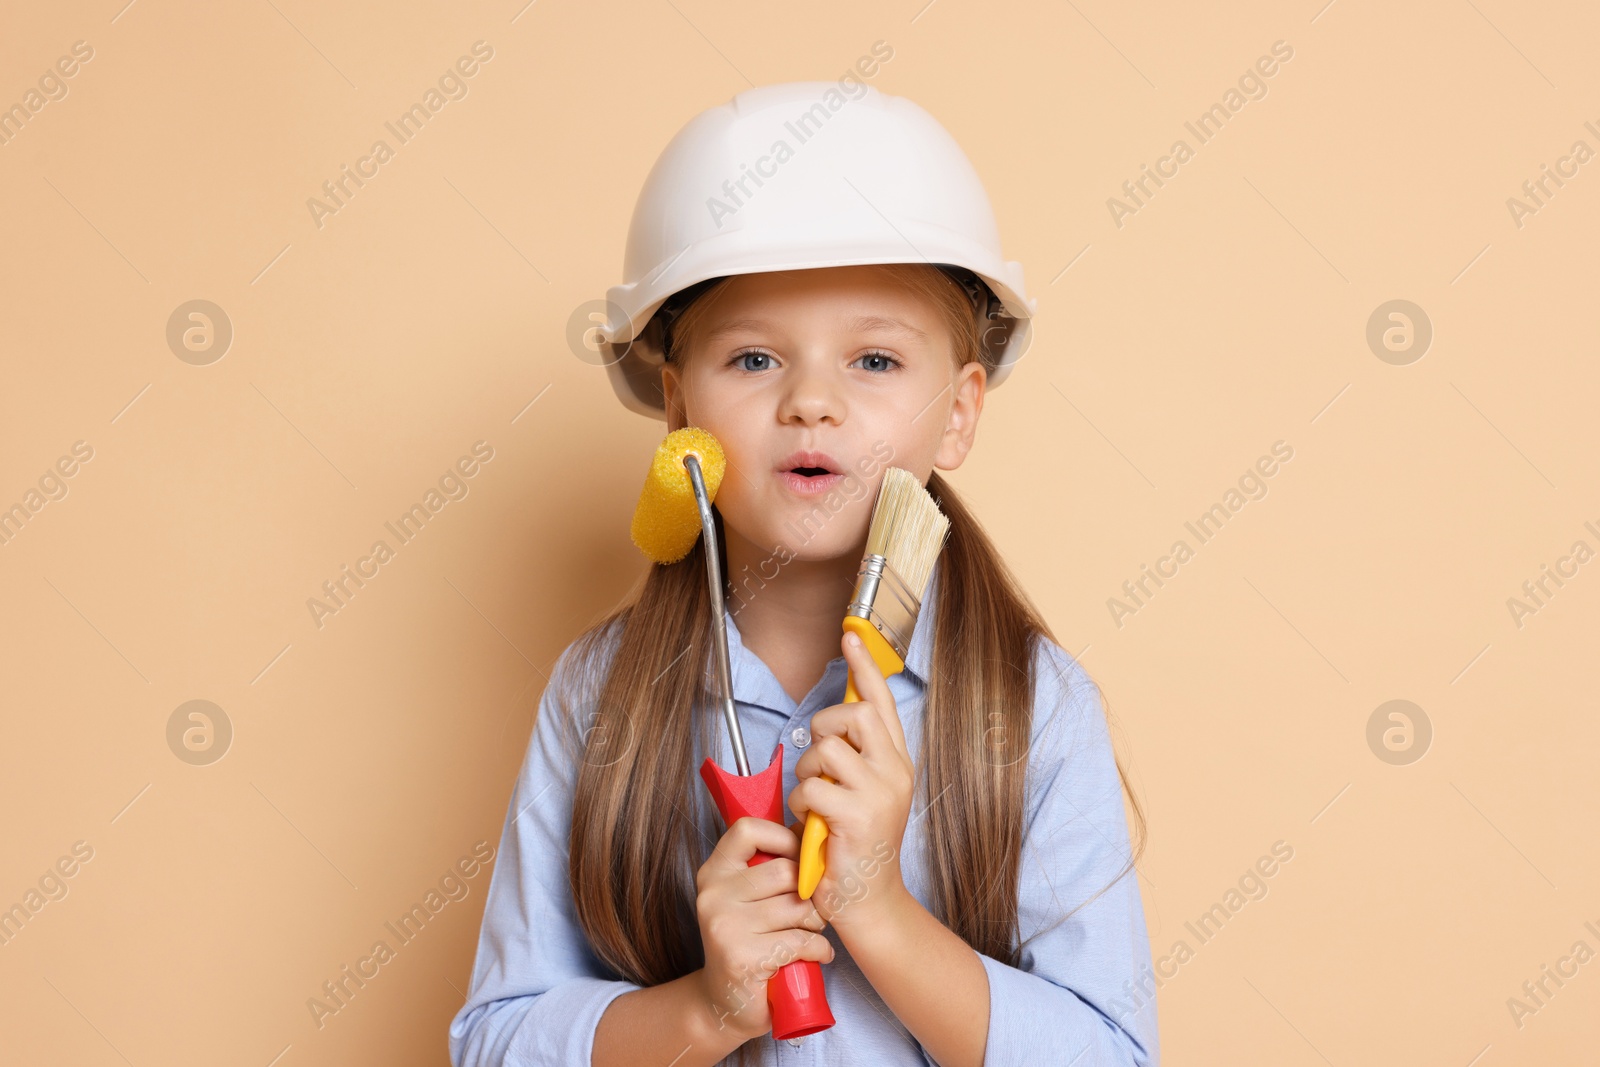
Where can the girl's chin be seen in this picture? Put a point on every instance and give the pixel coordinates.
(795, 546)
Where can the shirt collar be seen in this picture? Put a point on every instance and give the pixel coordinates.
(753, 681)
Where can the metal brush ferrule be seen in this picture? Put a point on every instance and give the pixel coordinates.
(883, 599)
(719, 621)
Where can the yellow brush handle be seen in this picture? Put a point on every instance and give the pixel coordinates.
(816, 832)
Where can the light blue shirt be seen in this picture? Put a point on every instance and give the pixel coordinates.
(538, 991)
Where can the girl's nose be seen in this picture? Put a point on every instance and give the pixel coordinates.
(811, 394)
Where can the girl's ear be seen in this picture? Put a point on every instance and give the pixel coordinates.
(961, 428)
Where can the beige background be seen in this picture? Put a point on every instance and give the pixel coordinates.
(1228, 313)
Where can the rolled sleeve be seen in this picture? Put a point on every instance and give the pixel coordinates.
(1075, 998)
(537, 990)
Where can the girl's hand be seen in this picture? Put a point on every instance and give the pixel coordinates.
(862, 747)
(752, 922)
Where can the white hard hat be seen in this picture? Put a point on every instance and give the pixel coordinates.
(803, 175)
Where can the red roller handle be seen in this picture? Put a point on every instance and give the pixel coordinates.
(795, 995)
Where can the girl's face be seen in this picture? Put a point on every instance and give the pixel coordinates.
(837, 368)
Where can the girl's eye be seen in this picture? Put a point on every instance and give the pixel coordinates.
(748, 354)
(881, 361)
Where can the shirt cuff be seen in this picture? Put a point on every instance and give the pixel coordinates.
(559, 1028)
(1033, 1020)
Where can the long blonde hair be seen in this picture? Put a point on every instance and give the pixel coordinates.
(636, 844)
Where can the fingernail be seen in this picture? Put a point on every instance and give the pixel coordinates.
(852, 640)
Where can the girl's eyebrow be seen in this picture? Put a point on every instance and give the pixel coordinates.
(862, 325)
(878, 322)
(736, 326)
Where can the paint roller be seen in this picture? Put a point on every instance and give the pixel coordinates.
(675, 508)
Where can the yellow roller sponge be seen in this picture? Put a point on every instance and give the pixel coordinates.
(667, 520)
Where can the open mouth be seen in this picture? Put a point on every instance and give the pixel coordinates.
(808, 473)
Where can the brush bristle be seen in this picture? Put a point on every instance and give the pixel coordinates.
(908, 529)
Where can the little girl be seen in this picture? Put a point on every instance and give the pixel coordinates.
(817, 274)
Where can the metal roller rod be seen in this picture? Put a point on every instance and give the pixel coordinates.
(719, 622)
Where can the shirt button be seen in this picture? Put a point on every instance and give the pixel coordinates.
(795, 1041)
(801, 737)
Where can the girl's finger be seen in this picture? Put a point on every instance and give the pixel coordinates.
(827, 799)
(858, 723)
(770, 837)
(837, 758)
(749, 835)
(777, 878)
(790, 945)
(873, 687)
(787, 913)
